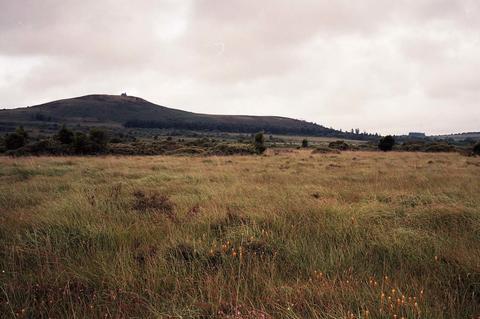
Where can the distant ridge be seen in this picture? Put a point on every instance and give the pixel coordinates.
(130, 111)
(459, 136)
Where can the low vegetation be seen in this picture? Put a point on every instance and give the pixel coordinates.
(98, 142)
(284, 235)
(430, 147)
(259, 142)
(304, 143)
(476, 149)
(16, 140)
(386, 143)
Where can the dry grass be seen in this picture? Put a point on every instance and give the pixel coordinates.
(292, 235)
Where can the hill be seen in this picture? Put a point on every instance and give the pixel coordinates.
(129, 111)
(459, 136)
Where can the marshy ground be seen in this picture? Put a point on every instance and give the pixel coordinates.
(287, 235)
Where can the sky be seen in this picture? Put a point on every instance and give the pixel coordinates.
(386, 66)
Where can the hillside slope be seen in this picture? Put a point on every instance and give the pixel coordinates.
(136, 112)
(459, 136)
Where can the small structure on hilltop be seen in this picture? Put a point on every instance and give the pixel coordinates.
(416, 135)
(124, 94)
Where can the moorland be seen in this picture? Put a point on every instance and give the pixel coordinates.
(287, 234)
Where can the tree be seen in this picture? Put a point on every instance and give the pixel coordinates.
(80, 143)
(17, 139)
(476, 148)
(14, 141)
(98, 136)
(386, 143)
(305, 143)
(98, 139)
(65, 136)
(21, 131)
(259, 142)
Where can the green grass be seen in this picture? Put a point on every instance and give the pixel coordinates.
(350, 235)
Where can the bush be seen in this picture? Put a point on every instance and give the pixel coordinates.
(386, 143)
(231, 149)
(413, 146)
(339, 145)
(21, 131)
(439, 147)
(305, 143)
(98, 140)
(324, 150)
(65, 136)
(14, 141)
(42, 147)
(476, 149)
(259, 142)
(98, 136)
(426, 146)
(80, 143)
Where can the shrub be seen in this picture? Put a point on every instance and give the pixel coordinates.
(14, 141)
(339, 145)
(21, 131)
(98, 137)
(305, 143)
(413, 146)
(439, 147)
(386, 143)
(232, 149)
(324, 150)
(80, 143)
(96, 142)
(476, 149)
(42, 147)
(259, 142)
(426, 146)
(65, 136)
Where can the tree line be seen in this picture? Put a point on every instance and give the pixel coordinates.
(305, 128)
(64, 141)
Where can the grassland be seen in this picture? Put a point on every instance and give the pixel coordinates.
(292, 235)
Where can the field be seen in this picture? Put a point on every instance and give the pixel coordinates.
(287, 235)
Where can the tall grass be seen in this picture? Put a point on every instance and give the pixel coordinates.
(350, 235)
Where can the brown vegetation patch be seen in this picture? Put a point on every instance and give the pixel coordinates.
(332, 166)
(325, 150)
(153, 202)
(143, 253)
(194, 211)
(316, 195)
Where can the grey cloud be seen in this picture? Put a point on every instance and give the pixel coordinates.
(375, 64)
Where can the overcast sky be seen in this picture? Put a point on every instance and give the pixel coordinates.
(387, 66)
